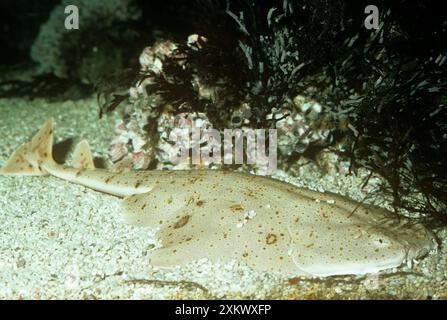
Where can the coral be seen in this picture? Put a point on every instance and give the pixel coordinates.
(300, 125)
(153, 114)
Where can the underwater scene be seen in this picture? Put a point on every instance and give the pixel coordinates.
(223, 149)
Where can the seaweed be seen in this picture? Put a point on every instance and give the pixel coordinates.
(112, 90)
(399, 123)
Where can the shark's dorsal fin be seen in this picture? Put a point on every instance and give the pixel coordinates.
(82, 156)
(29, 157)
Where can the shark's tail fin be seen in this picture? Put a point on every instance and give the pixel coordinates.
(28, 159)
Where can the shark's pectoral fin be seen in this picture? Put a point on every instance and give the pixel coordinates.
(218, 230)
(82, 156)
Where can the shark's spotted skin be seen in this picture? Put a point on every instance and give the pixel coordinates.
(220, 215)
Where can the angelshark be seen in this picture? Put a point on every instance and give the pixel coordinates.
(269, 225)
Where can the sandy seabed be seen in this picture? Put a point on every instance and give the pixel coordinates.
(62, 241)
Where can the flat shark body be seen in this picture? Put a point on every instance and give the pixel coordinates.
(270, 225)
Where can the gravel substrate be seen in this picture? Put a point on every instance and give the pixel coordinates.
(60, 240)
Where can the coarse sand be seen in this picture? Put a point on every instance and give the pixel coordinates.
(62, 241)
